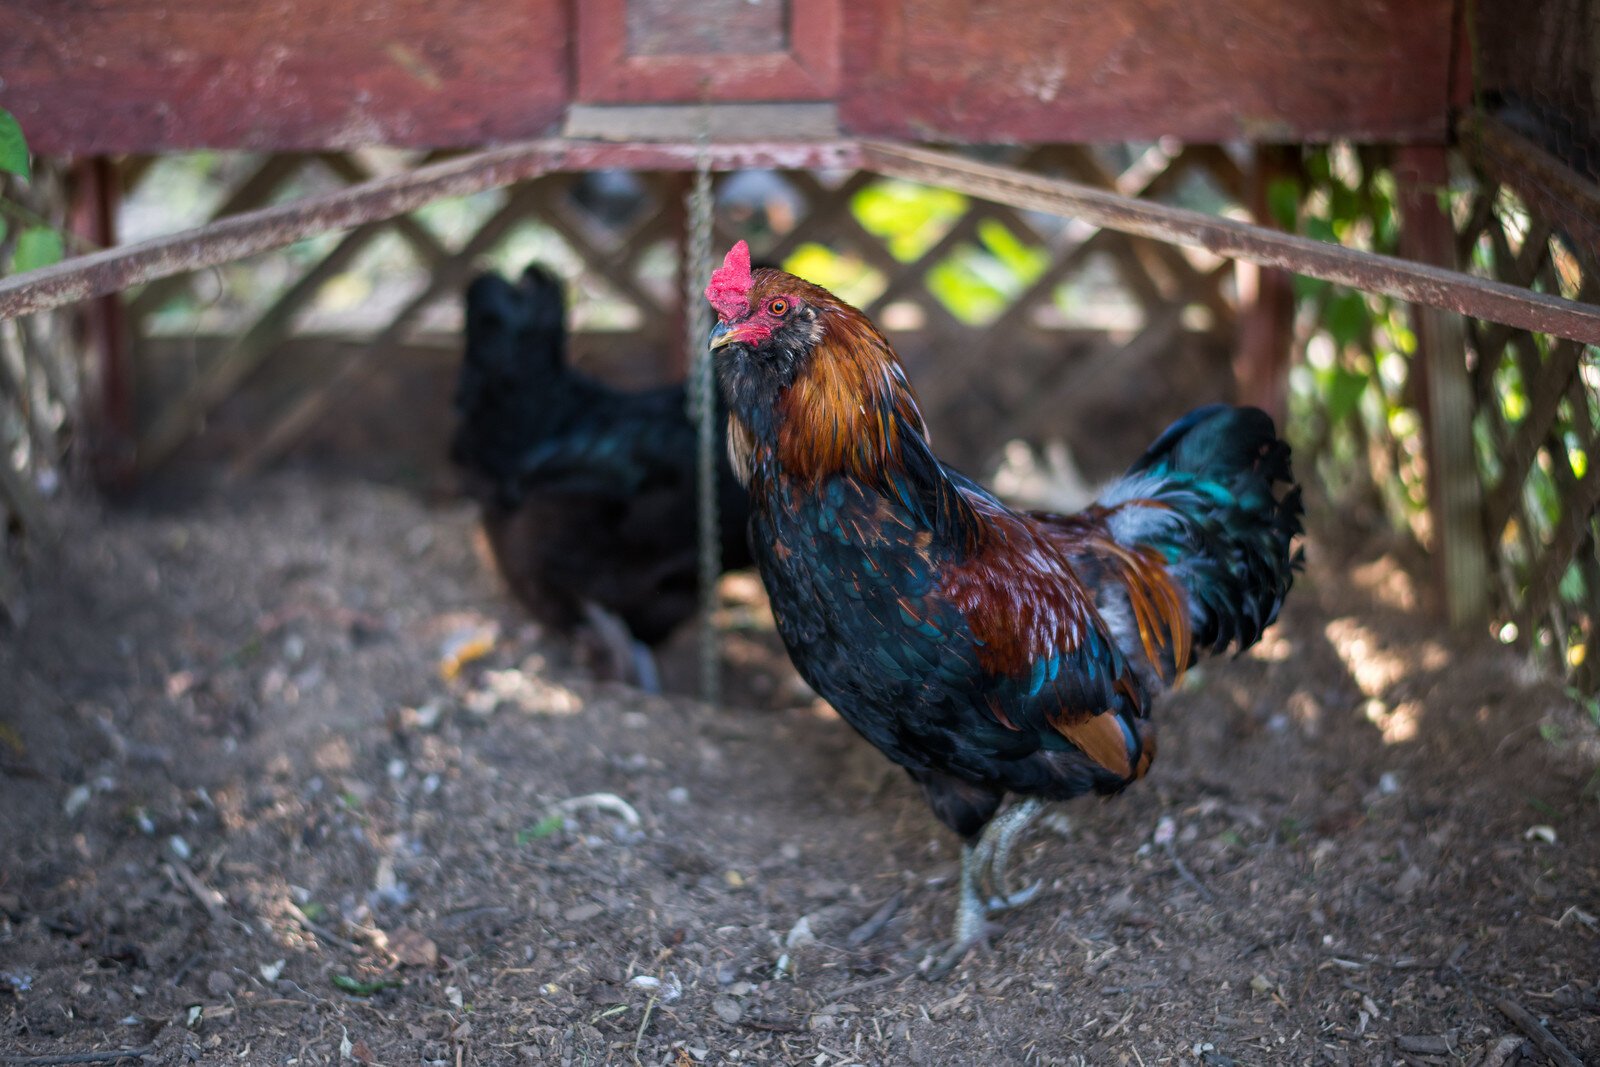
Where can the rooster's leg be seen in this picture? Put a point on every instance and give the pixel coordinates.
(972, 916)
(995, 846)
(985, 886)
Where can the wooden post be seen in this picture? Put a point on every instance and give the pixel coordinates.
(674, 191)
(1266, 300)
(108, 405)
(1455, 490)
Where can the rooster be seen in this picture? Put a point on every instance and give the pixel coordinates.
(989, 652)
(587, 492)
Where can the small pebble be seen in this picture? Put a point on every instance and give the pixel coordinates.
(728, 1010)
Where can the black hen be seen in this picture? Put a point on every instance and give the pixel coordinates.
(588, 492)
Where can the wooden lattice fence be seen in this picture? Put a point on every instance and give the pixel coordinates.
(39, 389)
(1056, 302)
(1533, 406)
(1538, 402)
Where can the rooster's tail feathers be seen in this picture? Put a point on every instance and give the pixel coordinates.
(1208, 496)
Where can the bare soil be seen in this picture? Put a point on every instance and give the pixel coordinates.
(263, 805)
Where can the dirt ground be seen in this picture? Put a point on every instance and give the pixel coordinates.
(262, 805)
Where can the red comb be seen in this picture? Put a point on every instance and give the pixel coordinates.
(729, 289)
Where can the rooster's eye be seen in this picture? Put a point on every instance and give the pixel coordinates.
(779, 306)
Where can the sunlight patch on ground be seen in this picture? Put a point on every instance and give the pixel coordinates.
(1387, 582)
(1273, 647)
(523, 690)
(1375, 668)
(1397, 724)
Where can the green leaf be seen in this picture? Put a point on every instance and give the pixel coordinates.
(1283, 201)
(1573, 586)
(13, 146)
(543, 828)
(1321, 230)
(37, 246)
(1347, 318)
(1341, 391)
(357, 988)
(1306, 289)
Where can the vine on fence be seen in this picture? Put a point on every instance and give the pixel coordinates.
(37, 385)
(1357, 403)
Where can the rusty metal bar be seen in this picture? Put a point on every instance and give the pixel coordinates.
(246, 234)
(257, 231)
(1414, 282)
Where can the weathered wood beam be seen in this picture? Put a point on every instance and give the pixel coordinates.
(250, 193)
(1418, 283)
(1455, 491)
(92, 216)
(226, 240)
(234, 238)
(1266, 299)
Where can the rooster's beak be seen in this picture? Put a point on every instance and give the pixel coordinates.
(721, 335)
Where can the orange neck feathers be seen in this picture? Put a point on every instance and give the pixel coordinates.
(849, 409)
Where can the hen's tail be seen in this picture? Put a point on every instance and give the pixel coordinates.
(515, 349)
(1215, 496)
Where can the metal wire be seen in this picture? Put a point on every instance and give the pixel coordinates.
(702, 399)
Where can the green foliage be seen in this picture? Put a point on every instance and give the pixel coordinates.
(545, 827)
(1347, 318)
(979, 281)
(849, 277)
(1341, 389)
(908, 218)
(37, 246)
(358, 988)
(1354, 402)
(13, 146)
(1283, 200)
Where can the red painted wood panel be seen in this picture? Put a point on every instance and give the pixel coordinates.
(1203, 70)
(94, 76)
(651, 51)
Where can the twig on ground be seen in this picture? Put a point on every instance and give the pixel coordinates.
(326, 934)
(1537, 1032)
(778, 1027)
(207, 897)
(874, 926)
(870, 983)
(638, 1038)
(1165, 836)
(109, 1056)
(1187, 875)
(608, 802)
